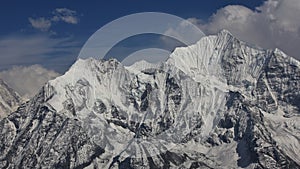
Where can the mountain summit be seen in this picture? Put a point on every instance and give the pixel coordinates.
(219, 103)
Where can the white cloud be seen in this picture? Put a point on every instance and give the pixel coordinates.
(275, 24)
(284, 14)
(41, 24)
(65, 15)
(58, 15)
(27, 81)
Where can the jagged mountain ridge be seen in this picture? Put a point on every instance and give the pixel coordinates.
(218, 103)
(9, 99)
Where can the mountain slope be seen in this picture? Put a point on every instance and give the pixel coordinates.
(216, 104)
(9, 99)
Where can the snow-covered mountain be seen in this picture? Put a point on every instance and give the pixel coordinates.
(216, 104)
(9, 100)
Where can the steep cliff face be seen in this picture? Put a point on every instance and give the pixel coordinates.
(9, 100)
(216, 104)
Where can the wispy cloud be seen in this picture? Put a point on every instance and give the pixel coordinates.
(41, 24)
(58, 15)
(54, 53)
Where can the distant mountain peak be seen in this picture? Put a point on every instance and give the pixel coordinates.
(9, 99)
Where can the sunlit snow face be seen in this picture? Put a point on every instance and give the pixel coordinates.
(98, 45)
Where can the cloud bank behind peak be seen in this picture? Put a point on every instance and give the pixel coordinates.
(27, 81)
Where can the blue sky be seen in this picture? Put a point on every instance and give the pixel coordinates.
(94, 14)
(51, 33)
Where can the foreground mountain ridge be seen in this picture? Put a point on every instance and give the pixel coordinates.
(216, 104)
